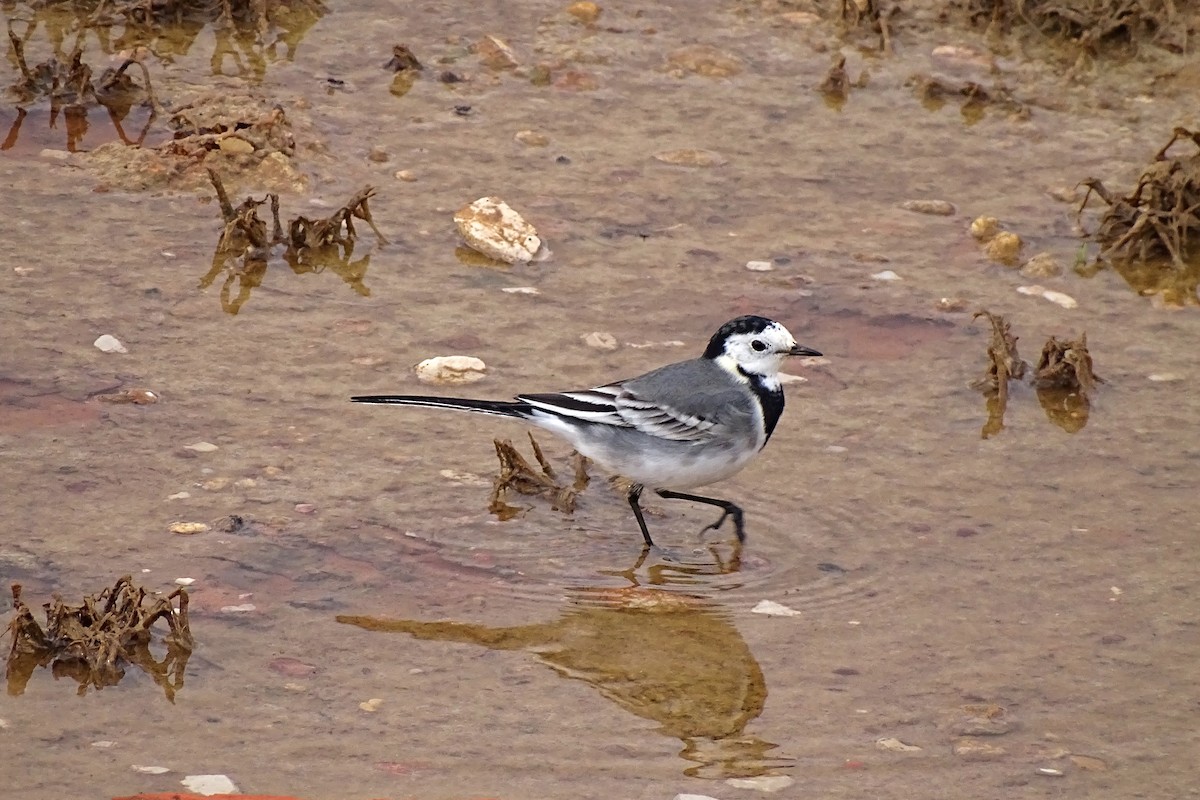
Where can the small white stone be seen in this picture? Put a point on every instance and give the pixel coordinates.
(1051, 772)
(759, 266)
(451, 370)
(188, 528)
(56, 155)
(773, 609)
(1064, 300)
(184, 581)
(210, 784)
(892, 744)
(108, 343)
(600, 340)
(149, 770)
(104, 744)
(886, 275)
(521, 290)
(1164, 377)
(201, 447)
(465, 478)
(693, 797)
(238, 609)
(836, 448)
(179, 496)
(492, 227)
(763, 783)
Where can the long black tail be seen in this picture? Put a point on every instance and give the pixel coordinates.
(499, 408)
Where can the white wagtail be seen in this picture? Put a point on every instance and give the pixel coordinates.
(678, 427)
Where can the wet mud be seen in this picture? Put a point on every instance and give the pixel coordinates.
(948, 615)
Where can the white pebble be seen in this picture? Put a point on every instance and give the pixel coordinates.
(600, 340)
(104, 744)
(210, 784)
(773, 609)
(201, 447)
(1164, 377)
(451, 369)
(109, 344)
(521, 290)
(1050, 771)
(179, 496)
(149, 770)
(759, 266)
(1064, 300)
(836, 448)
(238, 609)
(184, 581)
(886, 275)
(763, 783)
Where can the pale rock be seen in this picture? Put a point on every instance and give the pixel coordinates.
(521, 290)
(108, 343)
(184, 581)
(179, 496)
(187, 528)
(759, 266)
(149, 770)
(600, 340)
(210, 784)
(1164, 377)
(762, 783)
(492, 227)
(691, 157)
(532, 138)
(937, 208)
(984, 228)
(494, 53)
(773, 609)
(894, 745)
(451, 370)
(1042, 265)
(241, 608)
(201, 447)
(886, 275)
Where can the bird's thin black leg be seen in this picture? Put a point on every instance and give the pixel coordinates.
(635, 494)
(728, 508)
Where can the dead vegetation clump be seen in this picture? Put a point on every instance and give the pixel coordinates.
(1093, 27)
(93, 641)
(244, 248)
(518, 475)
(1159, 217)
(1063, 378)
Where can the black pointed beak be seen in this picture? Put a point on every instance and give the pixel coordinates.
(801, 350)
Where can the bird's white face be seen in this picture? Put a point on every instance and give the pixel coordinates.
(761, 353)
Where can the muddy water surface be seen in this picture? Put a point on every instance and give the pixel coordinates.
(1007, 605)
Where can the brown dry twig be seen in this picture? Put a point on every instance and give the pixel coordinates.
(517, 474)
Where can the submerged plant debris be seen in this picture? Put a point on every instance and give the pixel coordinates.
(1091, 26)
(1004, 365)
(244, 248)
(1064, 378)
(976, 98)
(1065, 382)
(1152, 235)
(518, 475)
(93, 641)
(1066, 365)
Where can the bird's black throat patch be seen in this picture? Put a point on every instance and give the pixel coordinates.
(771, 400)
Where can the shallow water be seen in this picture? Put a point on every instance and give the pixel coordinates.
(1048, 573)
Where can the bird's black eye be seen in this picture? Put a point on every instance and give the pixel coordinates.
(758, 345)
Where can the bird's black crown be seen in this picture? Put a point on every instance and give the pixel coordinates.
(746, 324)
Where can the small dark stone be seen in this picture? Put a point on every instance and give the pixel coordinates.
(1112, 638)
(462, 111)
(826, 566)
(562, 160)
(450, 77)
(847, 671)
(965, 533)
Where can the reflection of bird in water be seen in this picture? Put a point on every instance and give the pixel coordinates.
(664, 656)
